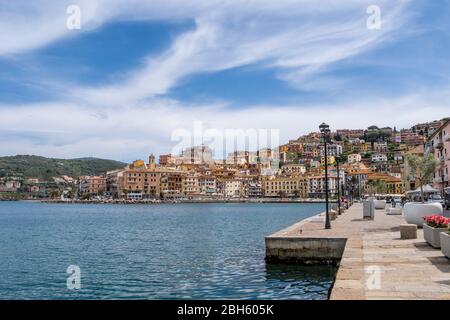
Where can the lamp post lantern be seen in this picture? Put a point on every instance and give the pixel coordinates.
(325, 131)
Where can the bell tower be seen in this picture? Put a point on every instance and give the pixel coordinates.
(151, 162)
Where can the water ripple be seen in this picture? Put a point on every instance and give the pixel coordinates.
(185, 251)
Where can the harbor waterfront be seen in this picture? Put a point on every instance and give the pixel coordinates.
(176, 251)
(224, 159)
(375, 262)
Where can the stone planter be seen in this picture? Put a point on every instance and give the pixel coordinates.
(445, 244)
(432, 235)
(379, 204)
(414, 212)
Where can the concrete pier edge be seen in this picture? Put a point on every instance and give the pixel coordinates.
(364, 249)
(289, 246)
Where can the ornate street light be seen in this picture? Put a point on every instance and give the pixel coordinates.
(338, 186)
(325, 130)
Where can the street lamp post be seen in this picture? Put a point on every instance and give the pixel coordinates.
(359, 187)
(346, 187)
(325, 130)
(443, 183)
(338, 187)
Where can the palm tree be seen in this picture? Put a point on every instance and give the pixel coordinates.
(421, 169)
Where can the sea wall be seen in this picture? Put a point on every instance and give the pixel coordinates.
(291, 246)
(305, 250)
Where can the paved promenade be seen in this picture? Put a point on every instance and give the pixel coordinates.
(376, 263)
(408, 269)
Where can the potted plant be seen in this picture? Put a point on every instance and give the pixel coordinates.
(445, 243)
(421, 169)
(432, 228)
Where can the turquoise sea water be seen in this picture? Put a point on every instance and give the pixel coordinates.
(164, 251)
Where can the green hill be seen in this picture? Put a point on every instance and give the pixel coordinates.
(27, 166)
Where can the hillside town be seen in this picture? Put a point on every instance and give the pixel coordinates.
(294, 170)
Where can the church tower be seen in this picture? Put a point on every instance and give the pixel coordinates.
(151, 162)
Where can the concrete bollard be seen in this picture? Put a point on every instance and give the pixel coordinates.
(408, 231)
(333, 215)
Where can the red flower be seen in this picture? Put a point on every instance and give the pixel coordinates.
(436, 221)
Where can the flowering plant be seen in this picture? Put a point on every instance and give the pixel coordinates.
(436, 221)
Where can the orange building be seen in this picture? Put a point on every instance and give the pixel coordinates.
(166, 159)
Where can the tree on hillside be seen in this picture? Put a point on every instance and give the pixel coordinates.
(372, 135)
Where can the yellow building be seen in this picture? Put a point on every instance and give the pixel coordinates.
(364, 147)
(330, 160)
(284, 148)
(285, 186)
(393, 185)
(141, 178)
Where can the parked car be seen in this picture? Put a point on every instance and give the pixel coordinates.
(447, 198)
(436, 198)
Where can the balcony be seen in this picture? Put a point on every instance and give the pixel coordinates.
(447, 137)
(439, 144)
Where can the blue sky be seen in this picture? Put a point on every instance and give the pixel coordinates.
(137, 71)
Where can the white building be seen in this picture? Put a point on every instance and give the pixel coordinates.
(379, 157)
(232, 188)
(197, 155)
(252, 189)
(208, 185)
(316, 186)
(12, 184)
(380, 146)
(334, 150)
(314, 164)
(238, 157)
(134, 196)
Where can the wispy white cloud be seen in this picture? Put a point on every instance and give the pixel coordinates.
(229, 36)
(28, 25)
(298, 37)
(124, 133)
